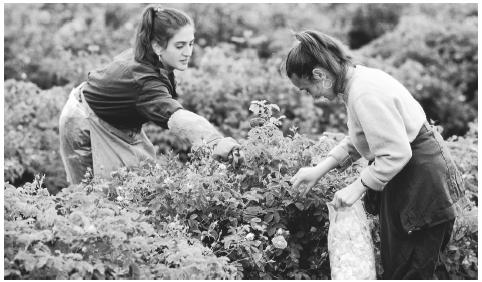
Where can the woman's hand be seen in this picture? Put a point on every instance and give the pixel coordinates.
(348, 195)
(308, 175)
(227, 149)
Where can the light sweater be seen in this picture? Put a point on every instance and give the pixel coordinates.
(383, 119)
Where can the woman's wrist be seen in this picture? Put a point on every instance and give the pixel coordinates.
(320, 170)
(326, 165)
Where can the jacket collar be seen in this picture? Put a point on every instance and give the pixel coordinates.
(168, 76)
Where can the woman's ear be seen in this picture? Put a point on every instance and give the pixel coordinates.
(319, 74)
(323, 76)
(156, 47)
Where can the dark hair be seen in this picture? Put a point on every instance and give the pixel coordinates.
(159, 24)
(316, 49)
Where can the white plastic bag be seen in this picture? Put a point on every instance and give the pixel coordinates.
(350, 245)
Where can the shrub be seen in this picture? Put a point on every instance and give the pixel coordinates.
(438, 64)
(175, 220)
(31, 133)
(246, 215)
(370, 21)
(56, 44)
(461, 258)
(83, 234)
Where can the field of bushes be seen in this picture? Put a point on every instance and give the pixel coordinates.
(187, 216)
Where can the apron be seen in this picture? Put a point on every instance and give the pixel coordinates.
(88, 141)
(417, 209)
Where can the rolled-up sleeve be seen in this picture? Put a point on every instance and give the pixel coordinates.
(386, 136)
(155, 102)
(345, 153)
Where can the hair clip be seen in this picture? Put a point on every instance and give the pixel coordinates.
(158, 9)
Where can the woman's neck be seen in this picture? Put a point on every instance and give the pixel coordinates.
(348, 82)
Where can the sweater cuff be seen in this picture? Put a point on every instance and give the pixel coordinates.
(371, 181)
(341, 156)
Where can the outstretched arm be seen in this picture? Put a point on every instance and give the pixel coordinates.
(193, 127)
(199, 130)
(157, 105)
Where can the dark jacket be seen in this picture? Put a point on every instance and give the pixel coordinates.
(127, 93)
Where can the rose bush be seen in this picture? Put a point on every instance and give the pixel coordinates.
(239, 223)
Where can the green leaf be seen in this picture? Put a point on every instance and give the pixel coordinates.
(257, 257)
(256, 220)
(269, 199)
(271, 231)
(287, 202)
(268, 217)
(252, 211)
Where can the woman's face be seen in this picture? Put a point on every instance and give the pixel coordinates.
(178, 51)
(319, 86)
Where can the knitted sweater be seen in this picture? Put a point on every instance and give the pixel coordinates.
(383, 119)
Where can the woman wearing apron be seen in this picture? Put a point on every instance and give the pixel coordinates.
(410, 167)
(101, 123)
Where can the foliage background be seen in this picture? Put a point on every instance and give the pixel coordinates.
(50, 48)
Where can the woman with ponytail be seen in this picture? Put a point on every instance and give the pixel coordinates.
(411, 180)
(101, 123)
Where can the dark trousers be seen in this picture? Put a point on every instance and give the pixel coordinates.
(414, 256)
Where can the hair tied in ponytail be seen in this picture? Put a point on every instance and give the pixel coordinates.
(317, 49)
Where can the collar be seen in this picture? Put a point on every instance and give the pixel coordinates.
(165, 72)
